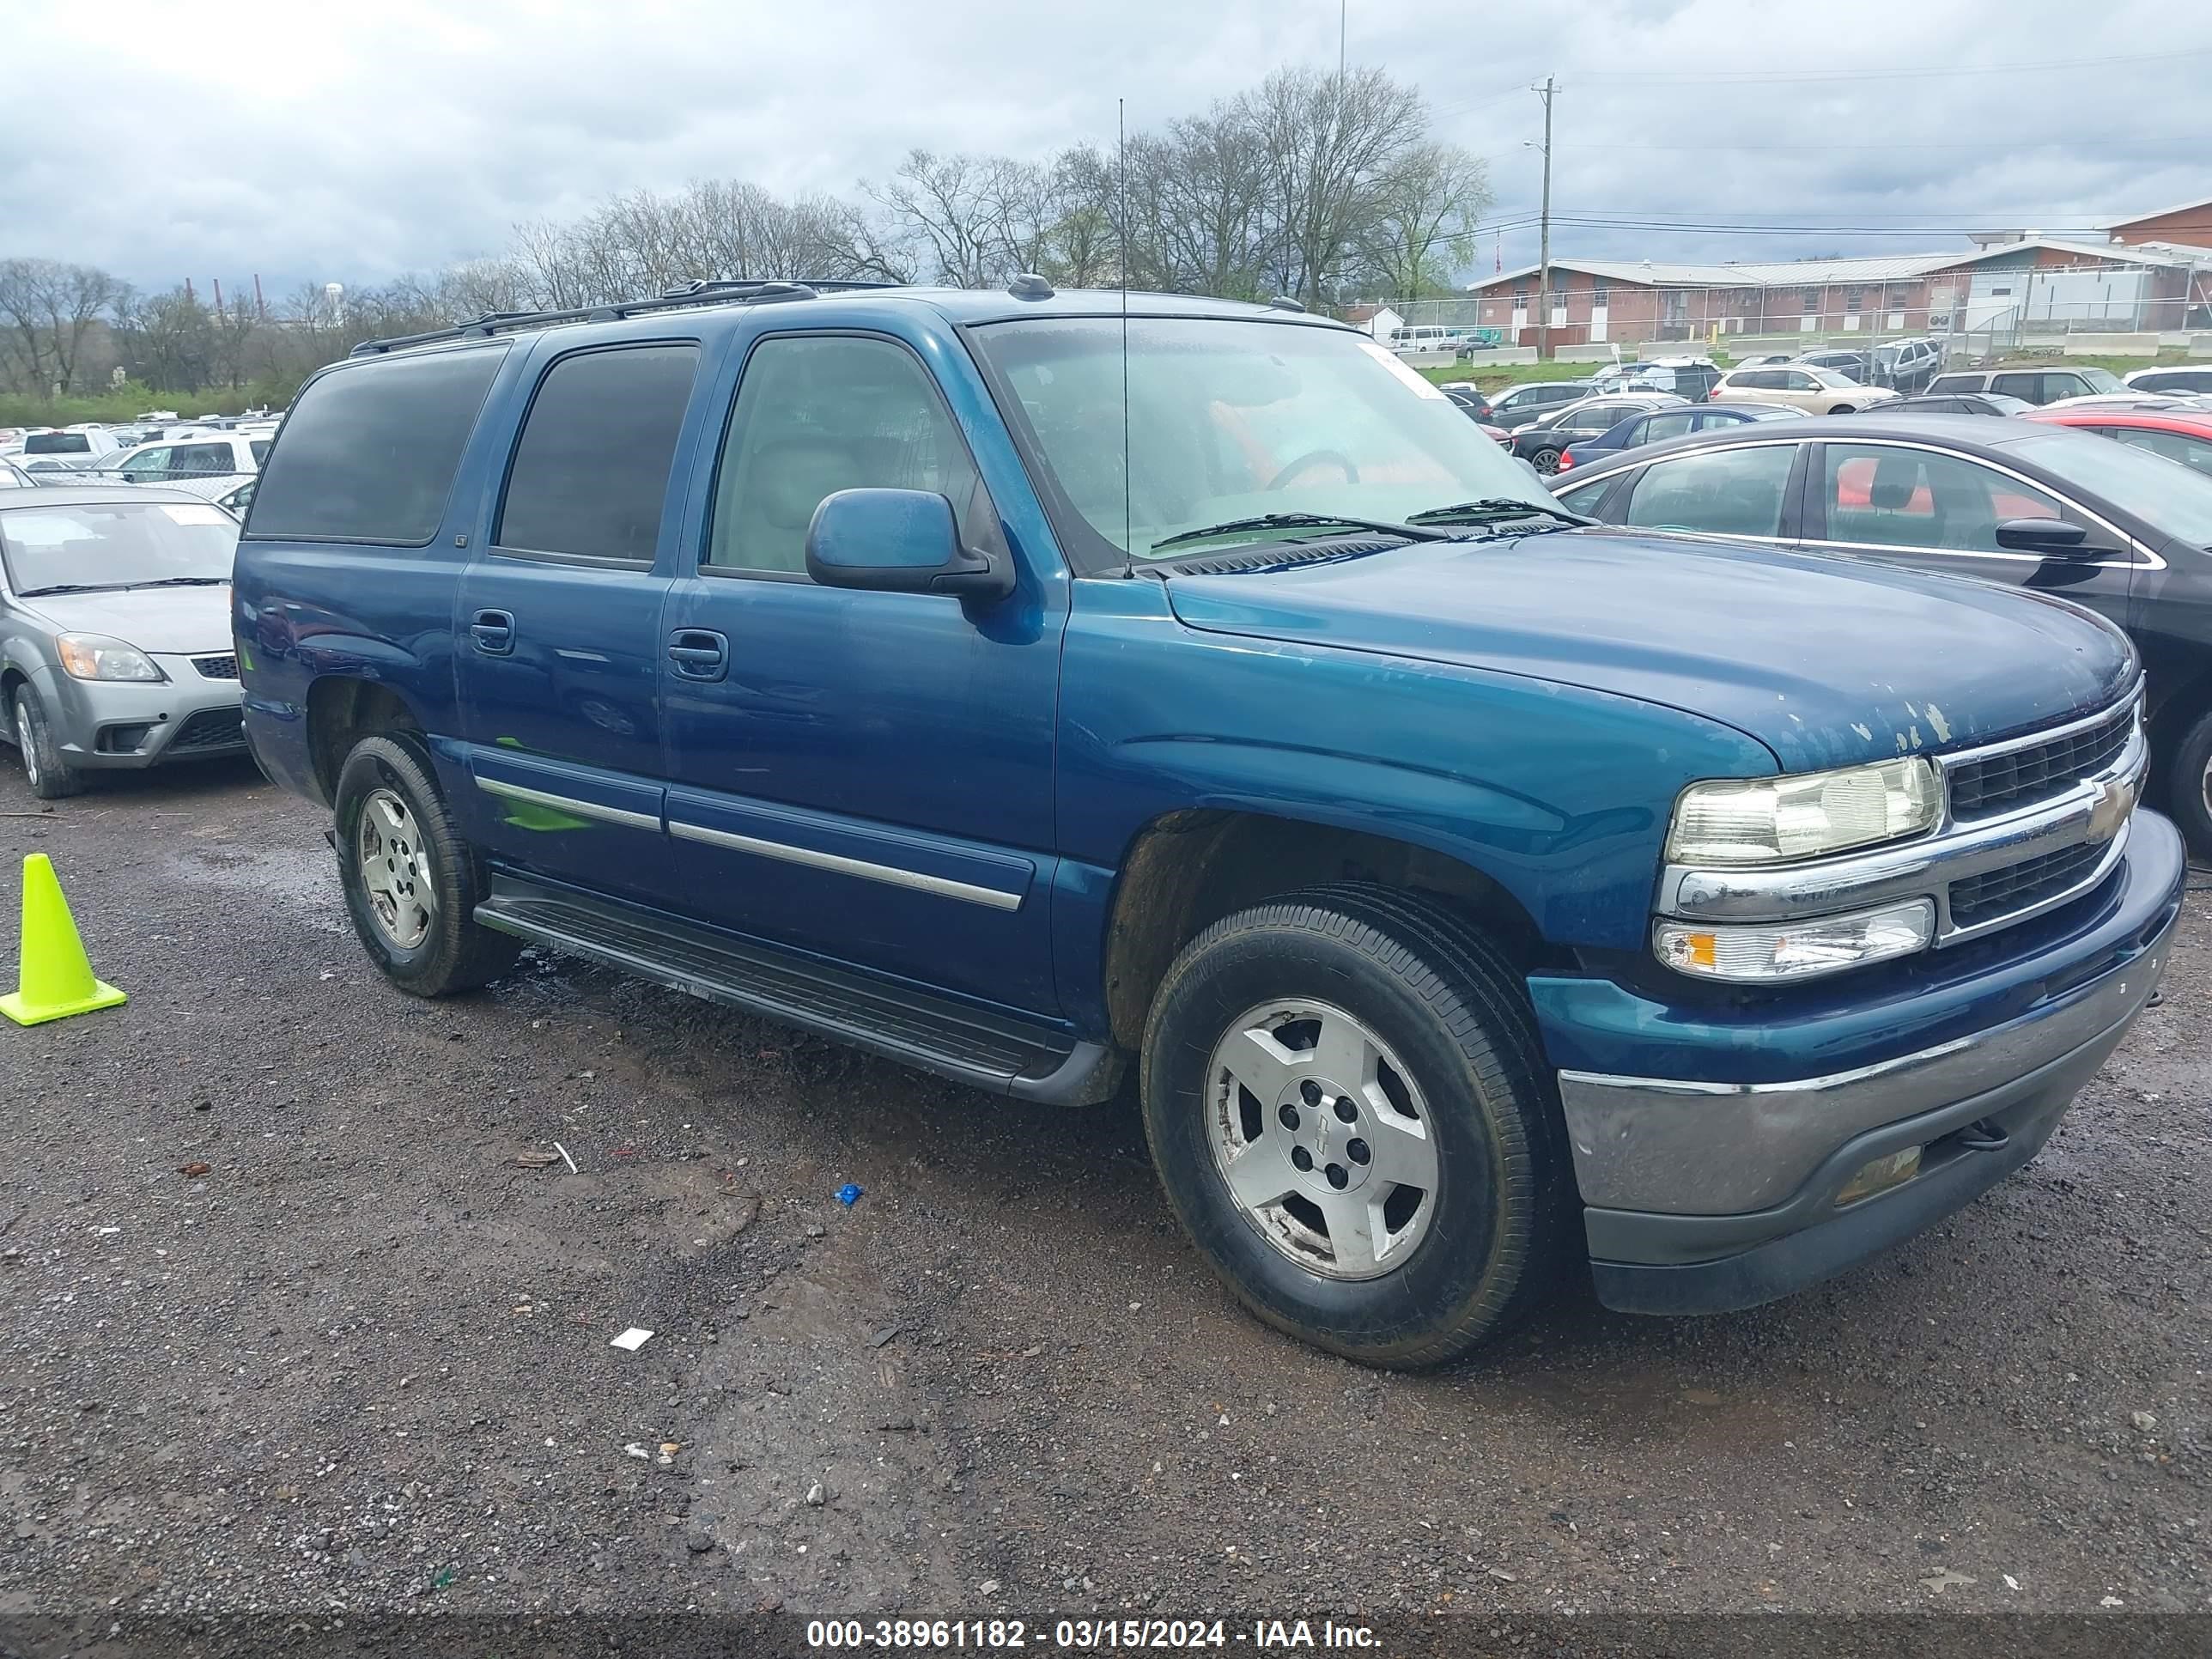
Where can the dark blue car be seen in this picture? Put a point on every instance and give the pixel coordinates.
(1658, 424)
(1041, 693)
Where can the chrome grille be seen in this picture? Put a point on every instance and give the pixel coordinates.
(1977, 899)
(2037, 772)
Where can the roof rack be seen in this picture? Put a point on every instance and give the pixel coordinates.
(690, 296)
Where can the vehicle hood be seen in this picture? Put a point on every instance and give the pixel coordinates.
(1827, 661)
(175, 620)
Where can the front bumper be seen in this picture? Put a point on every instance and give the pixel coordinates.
(110, 725)
(1705, 1196)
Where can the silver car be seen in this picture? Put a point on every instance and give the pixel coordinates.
(115, 645)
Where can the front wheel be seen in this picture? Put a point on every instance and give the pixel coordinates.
(1345, 1100)
(411, 884)
(2189, 787)
(45, 768)
(1842, 408)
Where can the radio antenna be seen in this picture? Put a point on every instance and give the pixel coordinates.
(1122, 235)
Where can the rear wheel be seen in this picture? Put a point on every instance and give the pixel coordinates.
(45, 768)
(2189, 787)
(1545, 460)
(1344, 1102)
(411, 884)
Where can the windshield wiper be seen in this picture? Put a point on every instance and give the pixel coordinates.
(182, 581)
(1494, 507)
(1302, 521)
(67, 587)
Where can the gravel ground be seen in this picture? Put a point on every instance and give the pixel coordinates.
(299, 1317)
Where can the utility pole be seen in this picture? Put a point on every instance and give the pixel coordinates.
(1544, 233)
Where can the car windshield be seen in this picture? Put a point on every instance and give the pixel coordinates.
(2168, 495)
(118, 545)
(1829, 377)
(1228, 420)
(2102, 380)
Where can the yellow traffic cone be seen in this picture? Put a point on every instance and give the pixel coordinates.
(55, 979)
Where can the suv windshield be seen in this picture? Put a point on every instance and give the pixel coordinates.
(2169, 495)
(122, 544)
(1231, 420)
(2101, 379)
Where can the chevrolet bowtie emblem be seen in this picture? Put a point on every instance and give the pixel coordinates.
(2110, 808)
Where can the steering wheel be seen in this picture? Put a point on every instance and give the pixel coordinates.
(1315, 457)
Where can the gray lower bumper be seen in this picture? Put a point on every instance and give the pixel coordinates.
(1710, 1149)
(1704, 1197)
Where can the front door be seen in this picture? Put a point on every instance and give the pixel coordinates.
(863, 776)
(558, 641)
(1922, 507)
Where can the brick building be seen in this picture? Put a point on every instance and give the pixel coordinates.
(2187, 225)
(2027, 279)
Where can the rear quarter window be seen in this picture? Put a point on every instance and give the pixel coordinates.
(369, 451)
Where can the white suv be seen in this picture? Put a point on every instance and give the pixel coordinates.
(199, 456)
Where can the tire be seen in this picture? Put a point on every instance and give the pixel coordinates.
(2189, 787)
(45, 768)
(411, 884)
(1546, 460)
(1454, 1049)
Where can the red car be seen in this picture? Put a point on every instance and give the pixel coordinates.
(2179, 435)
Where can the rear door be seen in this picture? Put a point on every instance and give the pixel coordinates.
(558, 632)
(865, 775)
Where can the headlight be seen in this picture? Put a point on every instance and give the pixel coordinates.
(1769, 820)
(1765, 953)
(96, 656)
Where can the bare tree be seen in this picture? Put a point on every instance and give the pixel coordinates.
(1331, 140)
(951, 208)
(49, 310)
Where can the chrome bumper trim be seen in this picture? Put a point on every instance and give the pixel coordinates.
(1689, 1148)
(2095, 808)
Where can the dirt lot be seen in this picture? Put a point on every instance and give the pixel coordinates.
(362, 1361)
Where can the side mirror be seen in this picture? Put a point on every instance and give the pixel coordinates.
(2054, 538)
(899, 541)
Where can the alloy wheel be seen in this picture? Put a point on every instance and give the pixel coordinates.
(1322, 1138)
(395, 869)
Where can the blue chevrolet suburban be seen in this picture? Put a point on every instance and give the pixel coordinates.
(1046, 688)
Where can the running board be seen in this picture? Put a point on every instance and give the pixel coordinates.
(1001, 1053)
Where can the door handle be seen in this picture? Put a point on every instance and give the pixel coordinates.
(699, 653)
(494, 632)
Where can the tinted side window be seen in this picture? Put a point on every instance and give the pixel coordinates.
(259, 447)
(2021, 385)
(1731, 492)
(1586, 497)
(201, 458)
(2055, 386)
(1955, 383)
(818, 415)
(590, 469)
(1893, 497)
(369, 451)
(1664, 426)
(2193, 452)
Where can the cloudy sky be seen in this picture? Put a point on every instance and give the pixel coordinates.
(351, 143)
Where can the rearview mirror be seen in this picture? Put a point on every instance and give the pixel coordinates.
(2054, 538)
(899, 541)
